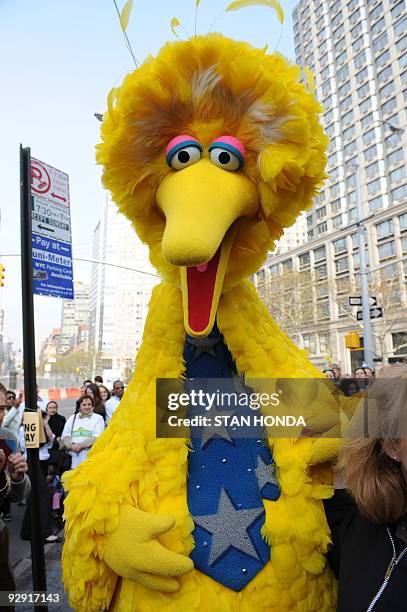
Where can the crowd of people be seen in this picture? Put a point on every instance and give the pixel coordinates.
(67, 443)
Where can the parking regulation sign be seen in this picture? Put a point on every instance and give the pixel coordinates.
(51, 231)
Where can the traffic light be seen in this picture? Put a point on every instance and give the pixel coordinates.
(352, 340)
(2, 270)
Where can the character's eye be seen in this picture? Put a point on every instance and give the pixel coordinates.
(225, 159)
(183, 151)
(185, 157)
(228, 153)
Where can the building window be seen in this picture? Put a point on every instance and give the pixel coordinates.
(401, 26)
(357, 45)
(348, 133)
(404, 245)
(321, 212)
(363, 91)
(261, 276)
(380, 42)
(403, 77)
(354, 33)
(319, 253)
(375, 203)
(287, 265)
(393, 139)
(387, 90)
(344, 89)
(373, 186)
(273, 270)
(337, 221)
(340, 46)
(366, 120)
(356, 258)
(304, 260)
(403, 60)
(350, 148)
(370, 153)
(347, 118)
(378, 26)
(324, 344)
(365, 106)
(322, 290)
(335, 189)
(343, 74)
(309, 342)
(383, 59)
(376, 12)
(403, 221)
(342, 265)
(336, 206)
(401, 44)
(399, 340)
(322, 227)
(360, 59)
(389, 106)
(368, 137)
(339, 245)
(387, 250)
(321, 271)
(385, 74)
(323, 310)
(398, 174)
(395, 157)
(352, 214)
(362, 75)
(400, 193)
(341, 58)
(354, 18)
(384, 229)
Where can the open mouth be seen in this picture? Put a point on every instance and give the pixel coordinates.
(201, 288)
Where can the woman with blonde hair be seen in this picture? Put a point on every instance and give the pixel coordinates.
(368, 519)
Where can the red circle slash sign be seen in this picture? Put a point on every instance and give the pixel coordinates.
(40, 180)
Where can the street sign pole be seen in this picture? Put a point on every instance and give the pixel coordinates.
(364, 280)
(30, 391)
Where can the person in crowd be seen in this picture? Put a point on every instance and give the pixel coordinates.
(99, 406)
(14, 486)
(368, 512)
(11, 399)
(98, 380)
(113, 402)
(329, 373)
(104, 393)
(349, 386)
(337, 370)
(56, 423)
(81, 430)
(87, 382)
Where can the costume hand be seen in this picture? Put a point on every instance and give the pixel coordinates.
(17, 466)
(134, 552)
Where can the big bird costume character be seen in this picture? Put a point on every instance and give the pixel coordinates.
(210, 149)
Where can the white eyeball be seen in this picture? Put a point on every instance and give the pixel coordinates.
(225, 159)
(185, 157)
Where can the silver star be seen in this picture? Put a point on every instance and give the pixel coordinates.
(219, 431)
(265, 473)
(203, 345)
(229, 528)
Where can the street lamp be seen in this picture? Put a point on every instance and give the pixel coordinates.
(368, 345)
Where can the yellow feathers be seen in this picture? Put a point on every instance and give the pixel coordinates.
(275, 4)
(187, 89)
(175, 23)
(125, 15)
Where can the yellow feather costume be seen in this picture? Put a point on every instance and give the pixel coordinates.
(205, 87)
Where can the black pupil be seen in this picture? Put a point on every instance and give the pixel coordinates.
(183, 157)
(224, 157)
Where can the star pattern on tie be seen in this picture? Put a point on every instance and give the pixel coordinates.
(228, 527)
(265, 473)
(216, 431)
(203, 345)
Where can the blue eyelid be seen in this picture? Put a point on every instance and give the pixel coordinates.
(218, 144)
(182, 145)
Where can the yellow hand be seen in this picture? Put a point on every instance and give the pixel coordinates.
(133, 551)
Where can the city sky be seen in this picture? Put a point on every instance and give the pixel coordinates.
(59, 59)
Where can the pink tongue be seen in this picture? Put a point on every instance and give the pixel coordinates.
(202, 267)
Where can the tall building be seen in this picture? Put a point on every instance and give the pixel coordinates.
(119, 296)
(75, 316)
(357, 50)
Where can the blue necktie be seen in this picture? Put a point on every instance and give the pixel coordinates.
(228, 478)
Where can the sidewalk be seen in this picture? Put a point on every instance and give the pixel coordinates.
(24, 584)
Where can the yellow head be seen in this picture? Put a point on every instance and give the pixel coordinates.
(207, 218)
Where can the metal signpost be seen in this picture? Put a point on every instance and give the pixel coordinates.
(51, 231)
(30, 391)
(46, 269)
